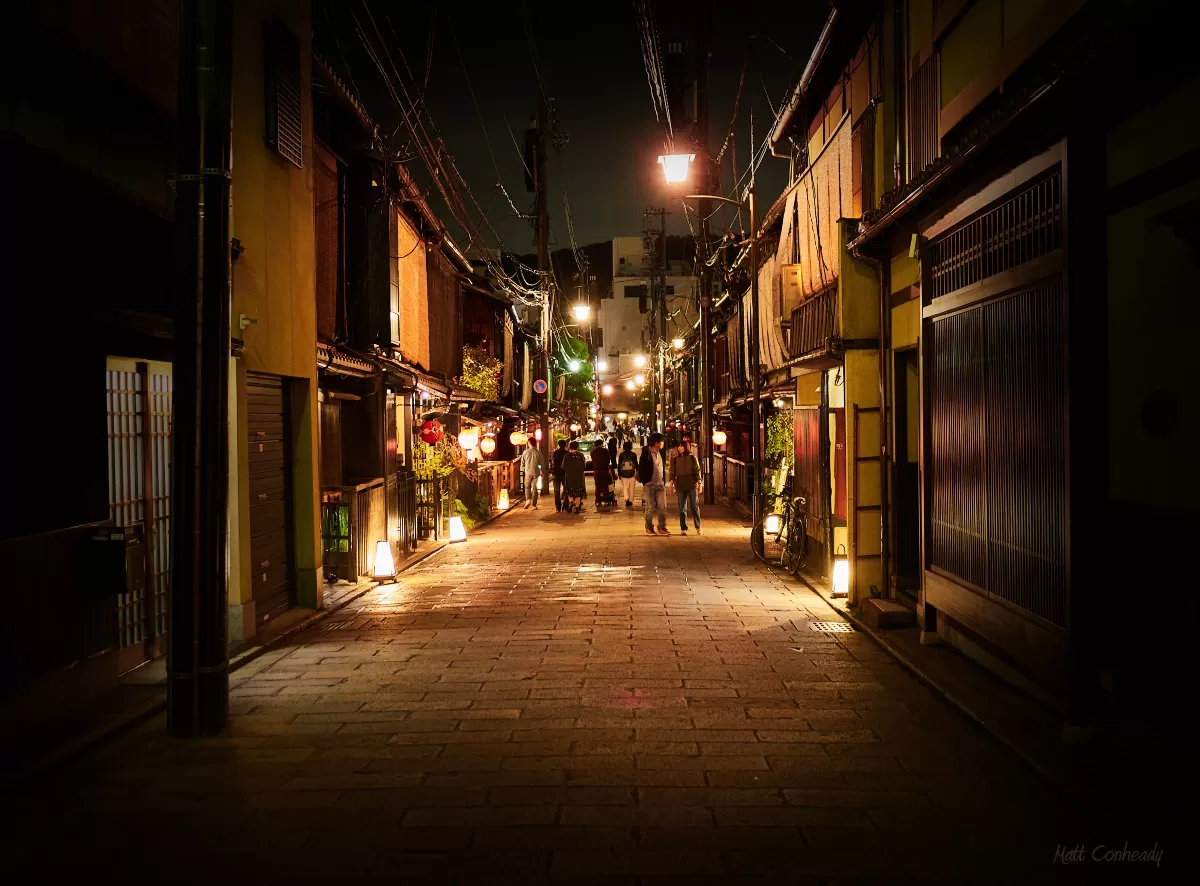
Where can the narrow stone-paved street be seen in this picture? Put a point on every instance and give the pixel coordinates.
(563, 699)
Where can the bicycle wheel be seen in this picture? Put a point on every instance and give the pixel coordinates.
(757, 541)
(797, 548)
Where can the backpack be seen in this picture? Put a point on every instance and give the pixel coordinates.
(627, 465)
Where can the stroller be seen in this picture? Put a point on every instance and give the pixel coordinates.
(606, 499)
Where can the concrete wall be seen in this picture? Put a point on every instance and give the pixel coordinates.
(274, 283)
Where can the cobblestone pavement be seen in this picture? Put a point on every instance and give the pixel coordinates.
(563, 699)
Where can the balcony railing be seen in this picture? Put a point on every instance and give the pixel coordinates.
(497, 475)
(814, 324)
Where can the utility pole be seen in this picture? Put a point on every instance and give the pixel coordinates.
(711, 184)
(542, 238)
(198, 650)
(662, 324)
(755, 360)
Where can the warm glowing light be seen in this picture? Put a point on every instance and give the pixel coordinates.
(458, 532)
(385, 566)
(602, 366)
(539, 483)
(487, 445)
(622, 415)
(629, 385)
(841, 575)
(581, 311)
(675, 166)
(468, 440)
(573, 366)
(518, 438)
(719, 438)
(677, 343)
(639, 379)
(537, 435)
(575, 426)
(607, 389)
(502, 502)
(639, 361)
(771, 524)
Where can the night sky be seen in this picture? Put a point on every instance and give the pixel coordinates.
(590, 61)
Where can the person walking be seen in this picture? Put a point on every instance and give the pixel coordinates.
(612, 449)
(573, 468)
(602, 476)
(652, 473)
(627, 469)
(556, 465)
(531, 465)
(685, 478)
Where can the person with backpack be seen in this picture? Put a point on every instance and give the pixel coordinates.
(652, 472)
(627, 469)
(685, 478)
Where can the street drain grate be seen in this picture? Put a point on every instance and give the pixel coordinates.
(831, 627)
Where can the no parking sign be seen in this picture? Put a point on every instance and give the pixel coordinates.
(539, 386)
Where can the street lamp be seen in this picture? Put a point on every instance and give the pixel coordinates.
(602, 366)
(639, 361)
(639, 379)
(573, 366)
(607, 389)
(676, 168)
(677, 344)
(629, 385)
(581, 311)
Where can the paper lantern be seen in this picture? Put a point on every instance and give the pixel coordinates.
(431, 431)
(719, 438)
(468, 440)
(385, 566)
(503, 504)
(518, 438)
(539, 483)
(537, 435)
(458, 532)
(772, 524)
(487, 445)
(841, 573)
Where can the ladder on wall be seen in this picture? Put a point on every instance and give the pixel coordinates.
(856, 555)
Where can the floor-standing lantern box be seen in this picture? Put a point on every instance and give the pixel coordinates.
(841, 573)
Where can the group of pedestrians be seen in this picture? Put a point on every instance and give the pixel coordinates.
(656, 469)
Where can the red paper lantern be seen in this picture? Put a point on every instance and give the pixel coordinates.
(431, 431)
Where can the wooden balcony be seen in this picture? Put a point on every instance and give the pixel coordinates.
(812, 335)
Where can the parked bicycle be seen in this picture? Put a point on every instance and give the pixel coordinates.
(785, 544)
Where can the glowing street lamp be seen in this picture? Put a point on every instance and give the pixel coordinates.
(581, 311)
(639, 379)
(677, 344)
(629, 385)
(639, 361)
(573, 366)
(607, 389)
(675, 166)
(602, 366)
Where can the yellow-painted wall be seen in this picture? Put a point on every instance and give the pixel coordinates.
(862, 389)
(858, 292)
(808, 388)
(274, 283)
(969, 47)
(905, 272)
(413, 285)
(906, 324)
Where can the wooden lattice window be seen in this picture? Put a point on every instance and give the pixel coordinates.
(284, 104)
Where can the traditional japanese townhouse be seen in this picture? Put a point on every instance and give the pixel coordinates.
(1039, 227)
(819, 308)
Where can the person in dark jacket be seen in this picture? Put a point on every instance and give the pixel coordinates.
(652, 472)
(612, 449)
(602, 475)
(685, 478)
(627, 469)
(556, 464)
(573, 469)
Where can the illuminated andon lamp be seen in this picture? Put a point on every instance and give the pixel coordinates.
(841, 573)
(537, 435)
(539, 483)
(502, 504)
(458, 532)
(468, 440)
(719, 437)
(385, 566)
(771, 524)
(487, 445)
(518, 438)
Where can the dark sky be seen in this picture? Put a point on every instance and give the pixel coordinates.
(590, 62)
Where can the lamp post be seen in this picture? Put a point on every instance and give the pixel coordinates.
(676, 169)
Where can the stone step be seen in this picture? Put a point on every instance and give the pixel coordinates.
(887, 614)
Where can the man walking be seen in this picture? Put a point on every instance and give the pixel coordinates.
(652, 473)
(531, 464)
(560, 474)
(627, 468)
(685, 477)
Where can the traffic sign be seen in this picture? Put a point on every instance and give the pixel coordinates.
(539, 386)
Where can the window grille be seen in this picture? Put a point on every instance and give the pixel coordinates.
(285, 120)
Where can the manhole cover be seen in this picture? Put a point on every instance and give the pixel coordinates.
(831, 627)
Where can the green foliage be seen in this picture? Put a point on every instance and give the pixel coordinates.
(780, 441)
(481, 372)
(578, 384)
(460, 510)
(483, 507)
(439, 459)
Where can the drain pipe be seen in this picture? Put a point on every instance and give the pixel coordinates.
(797, 96)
